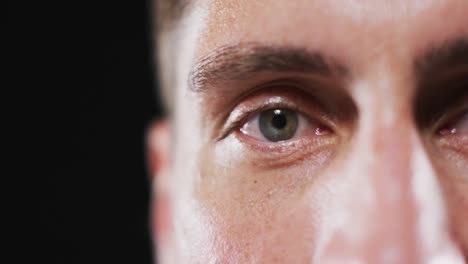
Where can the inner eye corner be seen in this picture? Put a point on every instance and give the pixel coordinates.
(448, 124)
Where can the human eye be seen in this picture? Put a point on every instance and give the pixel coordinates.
(452, 135)
(281, 120)
(458, 126)
(282, 124)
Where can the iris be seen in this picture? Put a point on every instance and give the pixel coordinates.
(278, 124)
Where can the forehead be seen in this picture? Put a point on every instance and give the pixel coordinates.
(353, 31)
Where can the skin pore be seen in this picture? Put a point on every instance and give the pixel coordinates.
(376, 170)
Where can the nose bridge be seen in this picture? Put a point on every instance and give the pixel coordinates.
(389, 172)
(410, 219)
(404, 215)
(386, 132)
(380, 209)
(386, 135)
(390, 142)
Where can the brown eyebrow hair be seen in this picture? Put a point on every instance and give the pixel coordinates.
(453, 52)
(240, 61)
(442, 80)
(168, 12)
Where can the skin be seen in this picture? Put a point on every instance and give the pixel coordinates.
(378, 186)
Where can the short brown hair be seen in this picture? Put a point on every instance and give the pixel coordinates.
(167, 14)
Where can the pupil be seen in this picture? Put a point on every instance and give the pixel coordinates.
(278, 120)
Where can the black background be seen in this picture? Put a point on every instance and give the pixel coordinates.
(88, 71)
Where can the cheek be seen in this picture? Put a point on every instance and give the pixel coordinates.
(258, 214)
(452, 166)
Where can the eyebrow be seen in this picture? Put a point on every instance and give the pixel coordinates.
(451, 53)
(241, 61)
(442, 76)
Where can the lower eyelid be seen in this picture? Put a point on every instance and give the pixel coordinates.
(287, 153)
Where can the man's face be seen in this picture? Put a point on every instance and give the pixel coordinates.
(318, 132)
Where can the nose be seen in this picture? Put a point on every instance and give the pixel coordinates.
(387, 206)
